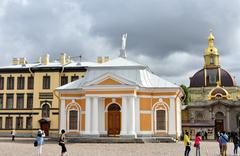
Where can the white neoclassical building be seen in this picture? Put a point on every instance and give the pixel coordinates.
(120, 98)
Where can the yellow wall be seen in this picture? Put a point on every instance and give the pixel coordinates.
(38, 78)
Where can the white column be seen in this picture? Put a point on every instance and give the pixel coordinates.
(124, 116)
(101, 114)
(88, 116)
(132, 115)
(95, 129)
(172, 120)
(137, 111)
(62, 117)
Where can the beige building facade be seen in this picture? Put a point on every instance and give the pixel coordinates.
(27, 98)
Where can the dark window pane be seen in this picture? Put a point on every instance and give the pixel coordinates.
(8, 123)
(30, 82)
(29, 123)
(64, 80)
(1, 83)
(1, 101)
(161, 120)
(29, 101)
(21, 82)
(10, 83)
(9, 104)
(73, 117)
(73, 78)
(20, 101)
(45, 111)
(19, 122)
(46, 82)
(0, 122)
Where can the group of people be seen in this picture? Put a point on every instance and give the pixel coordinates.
(222, 139)
(187, 143)
(38, 143)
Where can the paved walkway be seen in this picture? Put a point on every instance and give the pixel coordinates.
(149, 149)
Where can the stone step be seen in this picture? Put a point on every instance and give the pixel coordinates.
(104, 140)
(159, 140)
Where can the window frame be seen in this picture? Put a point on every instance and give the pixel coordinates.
(7, 124)
(1, 83)
(10, 83)
(19, 122)
(20, 83)
(27, 122)
(64, 80)
(30, 82)
(7, 104)
(18, 104)
(46, 82)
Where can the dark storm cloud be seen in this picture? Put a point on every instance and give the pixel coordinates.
(169, 36)
(161, 27)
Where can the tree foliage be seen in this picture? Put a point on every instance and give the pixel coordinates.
(186, 97)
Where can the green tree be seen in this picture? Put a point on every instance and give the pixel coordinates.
(186, 97)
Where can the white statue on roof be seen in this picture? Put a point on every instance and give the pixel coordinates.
(124, 41)
(123, 53)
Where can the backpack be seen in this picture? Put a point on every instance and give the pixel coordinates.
(35, 143)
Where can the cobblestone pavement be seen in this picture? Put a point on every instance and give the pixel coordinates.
(149, 149)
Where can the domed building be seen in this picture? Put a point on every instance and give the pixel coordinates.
(214, 104)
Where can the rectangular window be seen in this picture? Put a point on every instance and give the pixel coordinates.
(1, 101)
(73, 120)
(20, 82)
(10, 83)
(64, 80)
(19, 123)
(46, 82)
(29, 123)
(8, 123)
(30, 82)
(20, 101)
(9, 104)
(161, 120)
(29, 101)
(0, 122)
(1, 83)
(73, 78)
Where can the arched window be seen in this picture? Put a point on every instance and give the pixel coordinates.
(73, 120)
(211, 60)
(45, 111)
(114, 107)
(160, 120)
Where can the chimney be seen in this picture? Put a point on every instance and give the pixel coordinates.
(46, 59)
(23, 60)
(63, 58)
(106, 58)
(15, 61)
(100, 59)
(68, 59)
(40, 60)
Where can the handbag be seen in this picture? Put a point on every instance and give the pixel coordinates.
(35, 143)
(194, 145)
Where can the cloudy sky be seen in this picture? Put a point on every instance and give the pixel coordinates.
(168, 36)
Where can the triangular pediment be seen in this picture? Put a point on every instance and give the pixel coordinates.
(110, 79)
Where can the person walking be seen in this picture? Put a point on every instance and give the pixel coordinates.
(197, 142)
(62, 142)
(223, 141)
(13, 133)
(235, 142)
(40, 141)
(187, 144)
